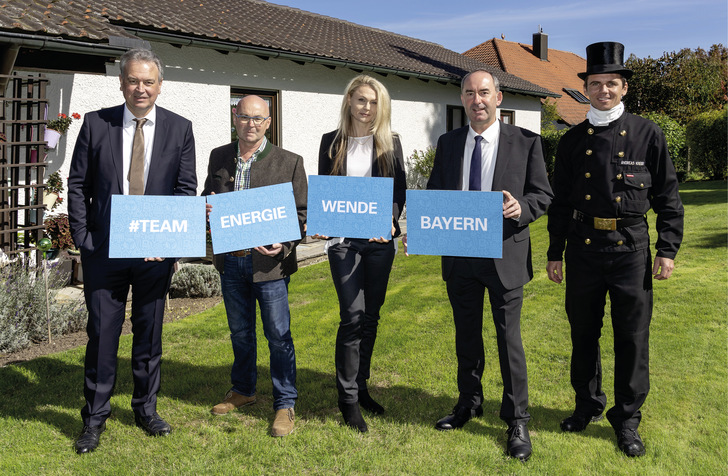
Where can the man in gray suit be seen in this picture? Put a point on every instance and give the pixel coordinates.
(260, 274)
(489, 155)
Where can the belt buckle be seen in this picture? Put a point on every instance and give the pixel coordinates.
(605, 223)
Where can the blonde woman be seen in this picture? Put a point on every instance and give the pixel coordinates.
(362, 146)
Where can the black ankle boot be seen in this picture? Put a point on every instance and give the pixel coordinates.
(367, 403)
(352, 416)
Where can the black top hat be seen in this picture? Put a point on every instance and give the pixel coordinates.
(604, 58)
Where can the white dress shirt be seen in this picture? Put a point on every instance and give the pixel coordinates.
(488, 149)
(128, 141)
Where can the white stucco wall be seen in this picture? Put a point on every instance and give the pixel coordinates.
(197, 86)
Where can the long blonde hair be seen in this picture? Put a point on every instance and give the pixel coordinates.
(381, 127)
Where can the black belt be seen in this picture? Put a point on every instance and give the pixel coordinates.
(606, 223)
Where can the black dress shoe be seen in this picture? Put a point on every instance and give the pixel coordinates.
(576, 422)
(519, 442)
(88, 440)
(154, 425)
(368, 403)
(630, 443)
(352, 416)
(458, 417)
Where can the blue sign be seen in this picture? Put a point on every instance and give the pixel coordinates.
(254, 217)
(151, 226)
(354, 207)
(455, 223)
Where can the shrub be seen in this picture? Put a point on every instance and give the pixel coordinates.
(706, 139)
(195, 281)
(419, 168)
(23, 316)
(550, 141)
(676, 143)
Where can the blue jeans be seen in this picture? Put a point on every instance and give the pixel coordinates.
(240, 293)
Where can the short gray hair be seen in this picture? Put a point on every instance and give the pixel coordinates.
(141, 54)
(496, 83)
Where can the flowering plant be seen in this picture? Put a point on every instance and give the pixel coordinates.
(54, 184)
(62, 123)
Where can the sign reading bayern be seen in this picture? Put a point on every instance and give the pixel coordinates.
(354, 207)
(254, 217)
(455, 223)
(151, 226)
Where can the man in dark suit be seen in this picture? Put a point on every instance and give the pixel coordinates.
(112, 157)
(260, 274)
(489, 155)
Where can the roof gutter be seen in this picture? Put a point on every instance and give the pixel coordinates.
(116, 47)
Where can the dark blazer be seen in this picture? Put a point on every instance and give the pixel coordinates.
(97, 170)
(326, 165)
(273, 166)
(520, 170)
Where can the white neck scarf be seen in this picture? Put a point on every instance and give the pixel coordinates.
(602, 118)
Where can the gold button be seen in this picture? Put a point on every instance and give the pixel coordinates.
(642, 185)
(621, 154)
(618, 199)
(588, 152)
(623, 133)
(232, 179)
(587, 175)
(587, 241)
(619, 176)
(588, 197)
(590, 131)
(620, 243)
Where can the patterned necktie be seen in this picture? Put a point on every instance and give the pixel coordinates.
(136, 169)
(475, 166)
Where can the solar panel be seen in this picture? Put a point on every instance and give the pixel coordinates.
(577, 95)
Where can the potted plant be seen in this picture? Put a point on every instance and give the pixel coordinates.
(52, 193)
(59, 231)
(57, 127)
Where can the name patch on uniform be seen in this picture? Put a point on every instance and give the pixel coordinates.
(455, 223)
(631, 162)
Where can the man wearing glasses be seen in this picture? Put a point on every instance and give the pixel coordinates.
(260, 274)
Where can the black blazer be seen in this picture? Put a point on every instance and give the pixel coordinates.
(519, 169)
(326, 165)
(97, 170)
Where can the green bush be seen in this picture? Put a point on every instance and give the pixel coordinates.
(550, 141)
(23, 316)
(706, 139)
(675, 136)
(195, 281)
(419, 168)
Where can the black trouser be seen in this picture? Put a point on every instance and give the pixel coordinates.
(360, 271)
(466, 286)
(627, 279)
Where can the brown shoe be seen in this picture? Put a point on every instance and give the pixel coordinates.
(283, 424)
(232, 401)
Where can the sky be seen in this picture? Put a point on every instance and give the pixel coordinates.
(645, 27)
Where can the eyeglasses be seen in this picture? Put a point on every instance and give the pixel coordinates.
(257, 120)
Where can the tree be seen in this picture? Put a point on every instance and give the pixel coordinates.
(680, 84)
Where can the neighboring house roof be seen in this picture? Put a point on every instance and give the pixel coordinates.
(556, 74)
(246, 25)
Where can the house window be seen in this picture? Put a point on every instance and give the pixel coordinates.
(577, 95)
(271, 97)
(508, 117)
(455, 117)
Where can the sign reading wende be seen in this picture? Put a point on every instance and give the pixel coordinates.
(455, 223)
(354, 207)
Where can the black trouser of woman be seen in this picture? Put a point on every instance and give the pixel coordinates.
(360, 271)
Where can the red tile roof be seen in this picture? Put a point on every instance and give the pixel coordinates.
(555, 74)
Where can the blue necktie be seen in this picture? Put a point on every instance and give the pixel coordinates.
(475, 166)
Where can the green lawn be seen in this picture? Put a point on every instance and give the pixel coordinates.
(684, 426)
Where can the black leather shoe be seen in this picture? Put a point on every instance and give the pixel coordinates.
(352, 416)
(368, 403)
(88, 440)
(519, 442)
(458, 417)
(576, 422)
(154, 425)
(630, 443)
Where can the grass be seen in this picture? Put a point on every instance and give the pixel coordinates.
(685, 424)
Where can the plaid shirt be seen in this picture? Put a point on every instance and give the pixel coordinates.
(242, 170)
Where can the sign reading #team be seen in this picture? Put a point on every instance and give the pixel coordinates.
(354, 207)
(455, 223)
(149, 226)
(254, 217)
